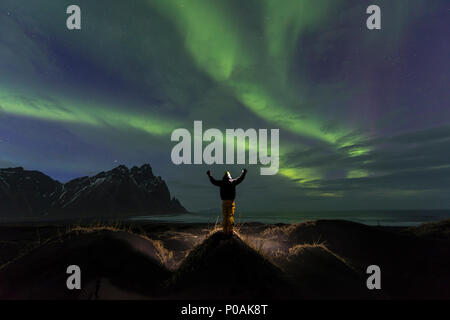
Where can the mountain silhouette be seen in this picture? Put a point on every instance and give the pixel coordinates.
(116, 193)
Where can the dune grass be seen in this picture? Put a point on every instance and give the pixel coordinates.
(165, 255)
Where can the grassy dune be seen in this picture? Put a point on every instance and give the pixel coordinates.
(322, 259)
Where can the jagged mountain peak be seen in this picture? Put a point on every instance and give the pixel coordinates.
(145, 168)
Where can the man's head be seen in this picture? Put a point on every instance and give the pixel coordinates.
(227, 176)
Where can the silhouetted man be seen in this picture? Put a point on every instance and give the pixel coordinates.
(227, 194)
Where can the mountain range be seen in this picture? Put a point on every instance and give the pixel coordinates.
(120, 192)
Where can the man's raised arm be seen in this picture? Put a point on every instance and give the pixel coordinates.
(241, 178)
(213, 181)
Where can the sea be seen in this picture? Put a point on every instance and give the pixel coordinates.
(393, 218)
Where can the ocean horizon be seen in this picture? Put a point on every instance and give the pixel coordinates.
(404, 218)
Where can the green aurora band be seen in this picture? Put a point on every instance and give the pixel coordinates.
(214, 39)
(247, 53)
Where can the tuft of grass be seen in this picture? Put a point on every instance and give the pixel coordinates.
(165, 255)
(279, 232)
(217, 227)
(299, 248)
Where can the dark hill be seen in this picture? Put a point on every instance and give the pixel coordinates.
(26, 193)
(435, 230)
(226, 267)
(125, 261)
(406, 259)
(320, 274)
(314, 260)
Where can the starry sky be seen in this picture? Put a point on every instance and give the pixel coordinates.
(364, 116)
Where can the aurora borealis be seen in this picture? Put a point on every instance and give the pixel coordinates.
(364, 116)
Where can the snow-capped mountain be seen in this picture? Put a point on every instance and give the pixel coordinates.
(119, 192)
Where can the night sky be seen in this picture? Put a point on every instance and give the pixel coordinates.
(364, 116)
